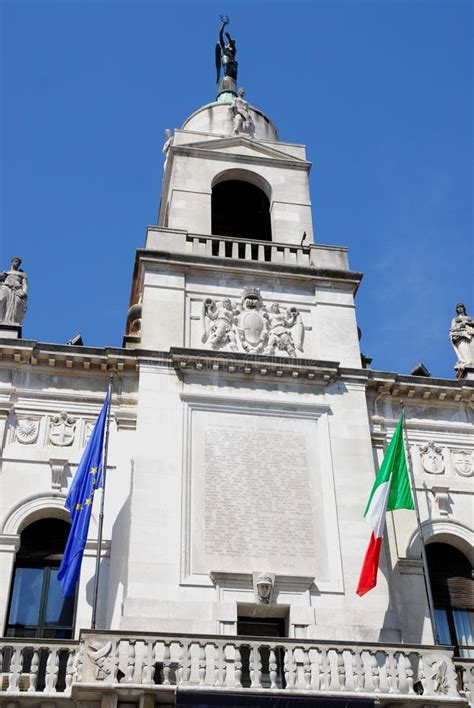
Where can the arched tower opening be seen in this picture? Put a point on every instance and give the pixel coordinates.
(240, 206)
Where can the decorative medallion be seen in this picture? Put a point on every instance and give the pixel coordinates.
(431, 458)
(27, 430)
(463, 462)
(250, 326)
(63, 429)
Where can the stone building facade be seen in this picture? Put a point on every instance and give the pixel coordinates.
(246, 431)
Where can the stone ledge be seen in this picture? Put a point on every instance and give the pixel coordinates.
(235, 364)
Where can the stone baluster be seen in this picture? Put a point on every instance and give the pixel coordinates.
(248, 251)
(374, 673)
(306, 669)
(341, 669)
(358, 672)
(384, 672)
(52, 670)
(392, 672)
(155, 661)
(408, 668)
(261, 252)
(16, 667)
(289, 667)
(219, 665)
(422, 678)
(130, 661)
(333, 683)
(208, 246)
(272, 668)
(238, 667)
(78, 662)
(184, 670)
(147, 663)
(222, 249)
(202, 664)
(323, 682)
(34, 668)
(68, 679)
(235, 249)
(166, 664)
(255, 667)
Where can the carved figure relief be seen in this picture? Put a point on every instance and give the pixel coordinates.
(463, 462)
(218, 319)
(62, 430)
(249, 326)
(280, 335)
(242, 122)
(432, 458)
(440, 678)
(100, 657)
(263, 585)
(27, 430)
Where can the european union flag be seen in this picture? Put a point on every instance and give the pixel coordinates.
(87, 479)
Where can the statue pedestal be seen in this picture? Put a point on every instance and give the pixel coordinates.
(226, 90)
(10, 331)
(463, 372)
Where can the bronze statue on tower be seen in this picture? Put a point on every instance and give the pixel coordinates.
(225, 61)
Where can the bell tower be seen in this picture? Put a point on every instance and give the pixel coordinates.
(243, 327)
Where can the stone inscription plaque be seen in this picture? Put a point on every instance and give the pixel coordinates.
(255, 502)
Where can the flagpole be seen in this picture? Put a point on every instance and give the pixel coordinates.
(101, 512)
(426, 572)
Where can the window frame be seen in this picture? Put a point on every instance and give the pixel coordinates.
(41, 629)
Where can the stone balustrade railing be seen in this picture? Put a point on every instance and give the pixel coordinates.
(112, 660)
(246, 250)
(45, 667)
(309, 254)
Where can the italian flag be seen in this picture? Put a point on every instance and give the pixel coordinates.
(390, 491)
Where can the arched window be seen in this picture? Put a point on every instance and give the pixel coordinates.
(240, 209)
(37, 608)
(453, 596)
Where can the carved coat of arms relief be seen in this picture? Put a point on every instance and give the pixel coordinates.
(463, 462)
(251, 326)
(27, 430)
(432, 458)
(62, 429)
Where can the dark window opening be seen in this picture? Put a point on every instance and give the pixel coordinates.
(453, 596)
(37, 607)
(273, 627)
(240, 210)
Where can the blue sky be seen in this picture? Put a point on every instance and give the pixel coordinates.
(380, 92)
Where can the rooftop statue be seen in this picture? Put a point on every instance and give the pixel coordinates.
(225, 59)
(462, 337)
(13, 293)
